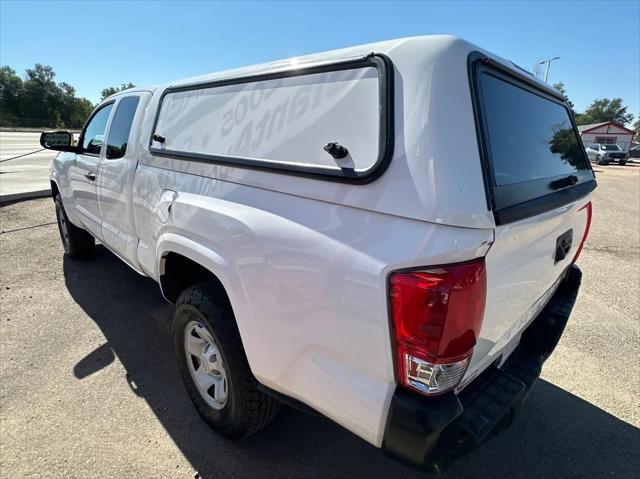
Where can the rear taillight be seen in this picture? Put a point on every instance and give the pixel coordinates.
(436, 315)
(587, 207)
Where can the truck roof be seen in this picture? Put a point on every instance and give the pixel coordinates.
(415, 45)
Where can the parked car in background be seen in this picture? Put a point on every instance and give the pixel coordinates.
(322, 247)
(634, 152)
(603, 154)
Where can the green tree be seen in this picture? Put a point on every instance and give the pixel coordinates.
(41, 97)
(39, 101)
(112, 90)
(73, 110)
(561, 88)
(636, 127)
(10, 93)
(80, 111)
(605, 109)
(564, 143)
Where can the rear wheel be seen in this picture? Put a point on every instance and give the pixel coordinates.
(214, 367)
(77, 243)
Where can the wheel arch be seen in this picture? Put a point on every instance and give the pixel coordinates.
(55, 191)
(180, 272)
(181, 262)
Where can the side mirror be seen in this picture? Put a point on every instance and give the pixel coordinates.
(58, 141)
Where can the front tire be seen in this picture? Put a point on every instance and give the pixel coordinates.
(214, 367)
(77, 243)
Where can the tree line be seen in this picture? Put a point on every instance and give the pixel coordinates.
(37, 100)
(602, 110)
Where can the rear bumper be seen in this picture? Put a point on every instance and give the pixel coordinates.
(431, 432)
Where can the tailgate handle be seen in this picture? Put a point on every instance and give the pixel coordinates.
(564, 182)
(563, 245)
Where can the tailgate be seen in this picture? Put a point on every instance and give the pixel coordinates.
(523, 269)
(538, 182)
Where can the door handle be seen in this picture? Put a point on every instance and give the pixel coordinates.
(90, 176)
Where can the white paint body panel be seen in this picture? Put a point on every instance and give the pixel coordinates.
(305, 261)
(307, 282)
(520, 273)
(85, 198)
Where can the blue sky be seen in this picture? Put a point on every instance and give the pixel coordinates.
(92, 45)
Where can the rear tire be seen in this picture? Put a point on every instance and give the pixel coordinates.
(239, 409)
(77, 243)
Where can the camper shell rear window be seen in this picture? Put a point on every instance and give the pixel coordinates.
(286, 120)
(533, 157)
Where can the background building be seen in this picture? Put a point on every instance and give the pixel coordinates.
(606, 132)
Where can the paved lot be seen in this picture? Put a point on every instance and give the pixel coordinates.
(24, 165)
(89, 386)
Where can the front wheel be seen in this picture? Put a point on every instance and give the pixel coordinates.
(214, 367)
(77, 243)
(623, 162)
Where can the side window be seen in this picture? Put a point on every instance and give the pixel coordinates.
(328, 120)
(121, 127)
(93, 136)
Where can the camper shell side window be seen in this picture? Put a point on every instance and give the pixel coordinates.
(329, 120)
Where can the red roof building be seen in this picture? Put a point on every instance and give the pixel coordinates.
(606, 132)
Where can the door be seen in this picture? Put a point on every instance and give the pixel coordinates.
(115, 178)
(83, 171)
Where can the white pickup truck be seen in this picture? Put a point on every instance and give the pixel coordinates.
(385, 234)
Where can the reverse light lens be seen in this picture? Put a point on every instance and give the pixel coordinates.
(436, 314)
(434, 379)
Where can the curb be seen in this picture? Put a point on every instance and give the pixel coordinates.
(26, 195)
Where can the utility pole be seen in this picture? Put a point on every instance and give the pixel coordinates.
(547, 64)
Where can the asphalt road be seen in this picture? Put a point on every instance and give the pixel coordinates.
(89, 385)
(24, 165)
(18, 143)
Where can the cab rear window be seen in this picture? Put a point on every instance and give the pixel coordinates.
(532, 152)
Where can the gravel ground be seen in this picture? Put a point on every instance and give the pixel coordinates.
(89, 386)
